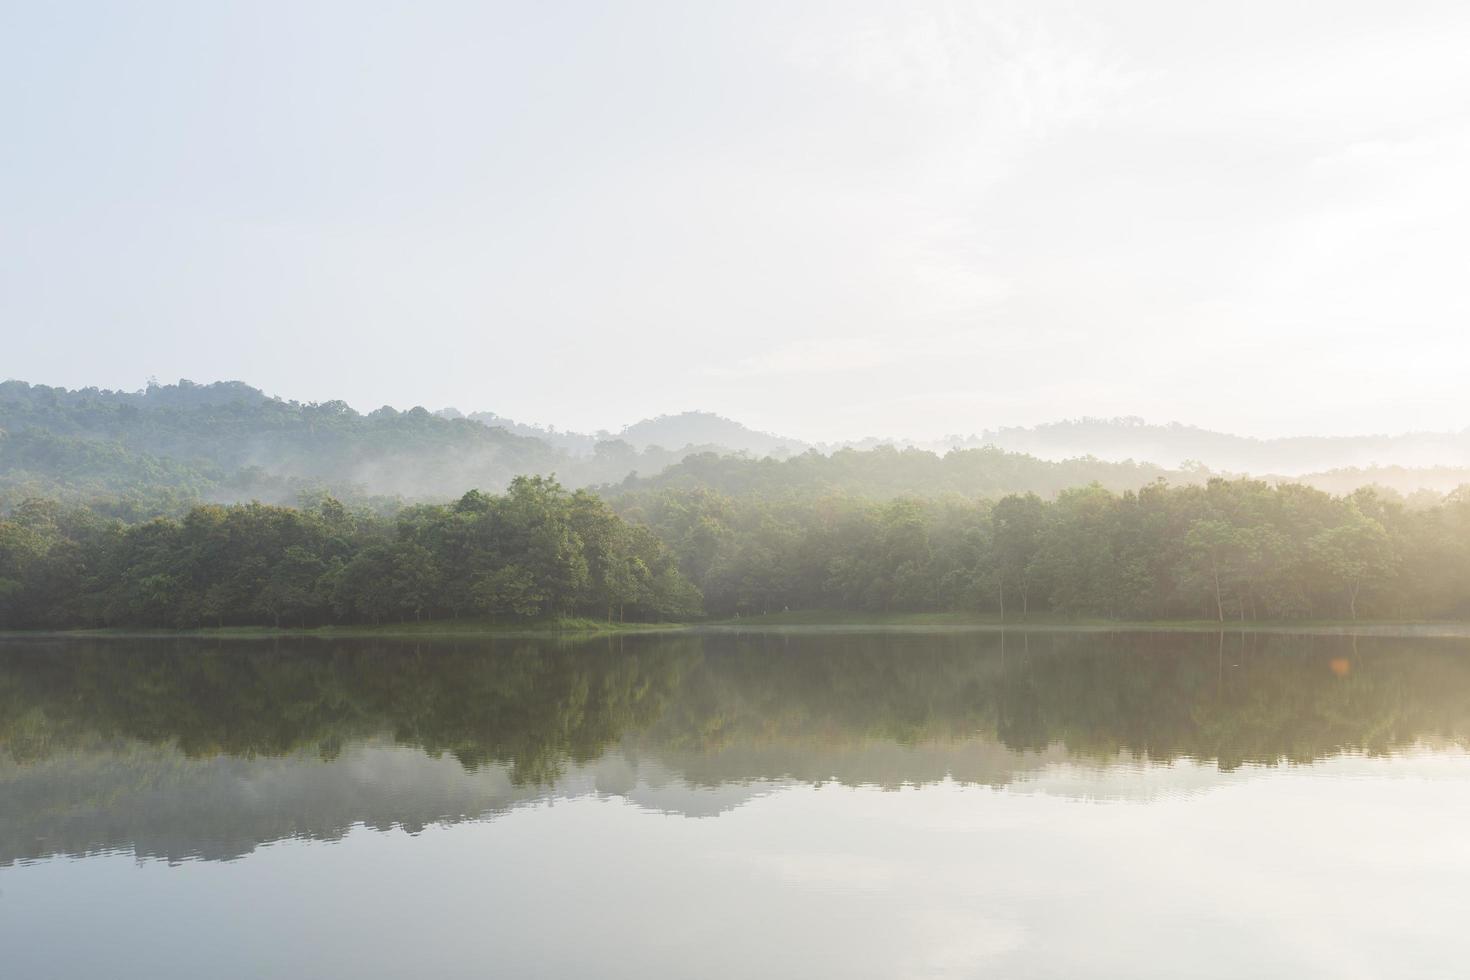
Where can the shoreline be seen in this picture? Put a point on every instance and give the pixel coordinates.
(789, 623)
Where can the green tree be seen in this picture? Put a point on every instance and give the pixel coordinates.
(1350, 554)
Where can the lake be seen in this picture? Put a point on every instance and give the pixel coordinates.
(760, 804)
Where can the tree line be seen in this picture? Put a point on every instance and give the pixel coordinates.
(535, 551)
(1226, 551)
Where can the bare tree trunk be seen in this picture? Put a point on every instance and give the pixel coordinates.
(1219, 603)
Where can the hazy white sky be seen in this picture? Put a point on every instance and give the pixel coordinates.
(825, 219)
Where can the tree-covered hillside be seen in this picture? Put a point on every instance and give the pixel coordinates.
(686, 431)
(156, 451)
(222, 439)
(161, 450)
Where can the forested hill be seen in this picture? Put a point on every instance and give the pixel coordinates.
(156, 450)
(162, 449)
(686, 429)
(231, 441)
(168, 447)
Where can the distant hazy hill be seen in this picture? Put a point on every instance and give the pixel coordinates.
(888, 472)
(685, 430)
(1407, 462)
(1174, 444)
(707, 429)
(1434, 480)
(576, 443)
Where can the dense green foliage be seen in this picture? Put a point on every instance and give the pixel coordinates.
(1225, 550)
(535, 551)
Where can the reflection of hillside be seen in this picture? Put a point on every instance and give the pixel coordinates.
(149, 801)
(191, 749)
(534, 706)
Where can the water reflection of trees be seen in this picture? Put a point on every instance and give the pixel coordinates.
(535, 706)
(1230, 699)
(532, 705)
(183, 749)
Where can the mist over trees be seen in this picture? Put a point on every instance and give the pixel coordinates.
(689, 429)
(230, 441)
(141, 454)
(110, 515)
(1175, 445)
(155, 452)
(161, 450)
(887, 472)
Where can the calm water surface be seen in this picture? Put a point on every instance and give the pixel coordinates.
(758, 805)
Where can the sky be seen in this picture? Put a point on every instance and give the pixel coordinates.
(828, 220)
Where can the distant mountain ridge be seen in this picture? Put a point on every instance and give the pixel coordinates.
(1176, 445)
(155, 450)
(678, 431)
(1172, 445)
